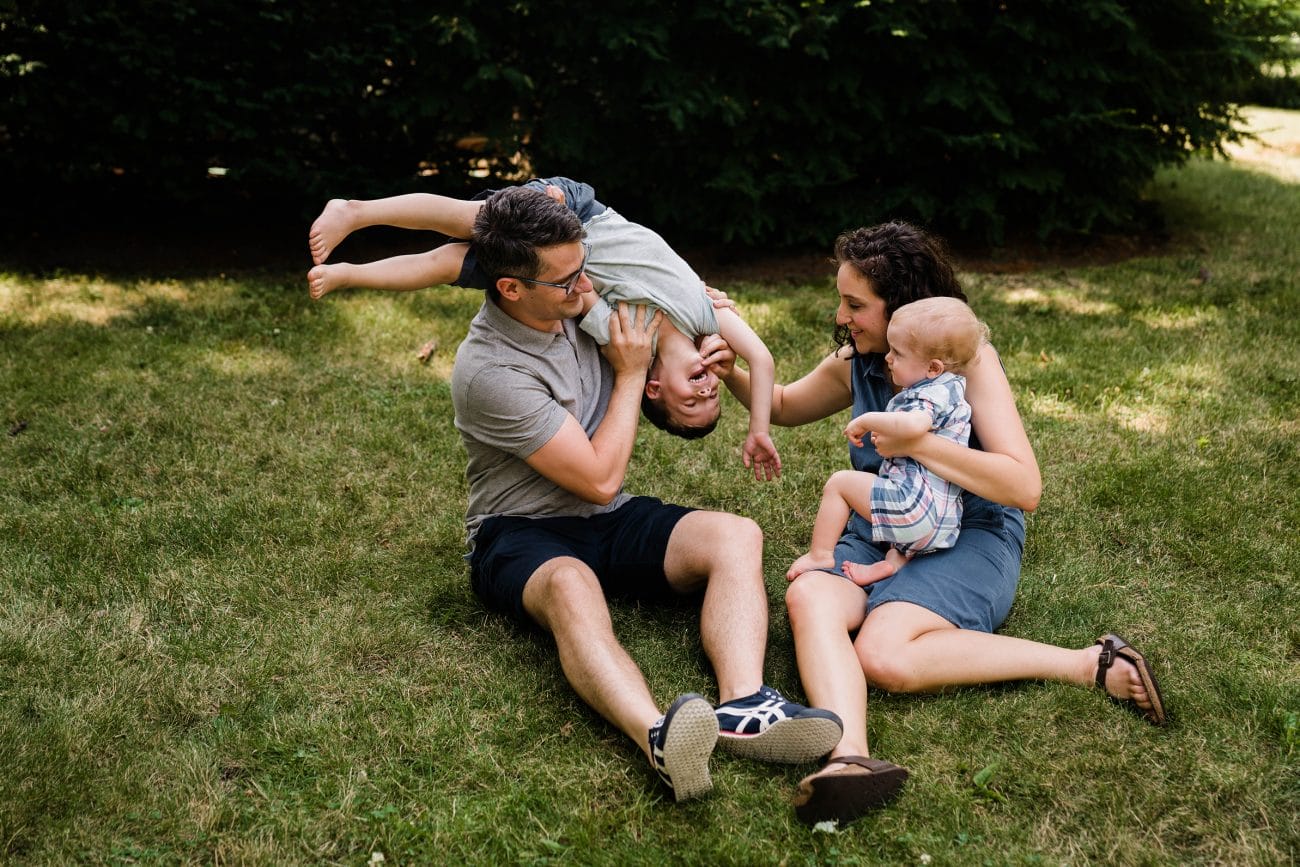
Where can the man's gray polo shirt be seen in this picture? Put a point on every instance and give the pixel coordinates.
(512, 387)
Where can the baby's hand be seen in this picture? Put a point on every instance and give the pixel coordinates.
(760, 454)
(555, 193)
(855, 431)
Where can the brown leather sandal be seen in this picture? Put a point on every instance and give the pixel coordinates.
(1113, 647)
(846, 794)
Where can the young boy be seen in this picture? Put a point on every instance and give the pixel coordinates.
(931, 342)
(625, 261)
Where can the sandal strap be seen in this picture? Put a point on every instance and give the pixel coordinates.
(1104, 661)
(873, 765)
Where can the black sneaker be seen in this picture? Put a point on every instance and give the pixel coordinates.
(681, 742)
(765, 726)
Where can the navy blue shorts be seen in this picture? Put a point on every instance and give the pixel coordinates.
(625, 548)
(971, 585)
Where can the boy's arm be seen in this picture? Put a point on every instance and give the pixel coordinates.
(910, 423)
(759, 451)
(594, 468)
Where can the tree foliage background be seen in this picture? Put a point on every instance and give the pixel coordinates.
(760, 121)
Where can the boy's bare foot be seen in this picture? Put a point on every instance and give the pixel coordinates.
(809, 562)
(331, 227)
(324, 279)
(864, 575)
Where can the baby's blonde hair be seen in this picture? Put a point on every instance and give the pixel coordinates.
(942, 328)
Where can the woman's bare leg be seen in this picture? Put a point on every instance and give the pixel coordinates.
(906, 648)
(823, 609)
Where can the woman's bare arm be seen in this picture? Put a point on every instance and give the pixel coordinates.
(823, 392)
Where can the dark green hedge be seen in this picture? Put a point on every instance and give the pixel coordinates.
(762, 121)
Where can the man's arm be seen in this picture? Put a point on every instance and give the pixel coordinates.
(594, 468)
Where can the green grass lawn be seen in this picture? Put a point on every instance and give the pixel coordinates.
(235, 625)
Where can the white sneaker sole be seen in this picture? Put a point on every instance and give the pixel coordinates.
(692, 732)
(789, 741)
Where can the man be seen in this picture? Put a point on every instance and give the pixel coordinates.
(549, 424)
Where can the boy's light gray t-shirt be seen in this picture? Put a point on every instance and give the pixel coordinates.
(631, 263)
(512, 388)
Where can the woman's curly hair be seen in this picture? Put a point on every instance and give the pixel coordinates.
(903, 262)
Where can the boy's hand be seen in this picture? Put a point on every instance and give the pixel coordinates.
(761, 455)
(631, 338)
(717, 355)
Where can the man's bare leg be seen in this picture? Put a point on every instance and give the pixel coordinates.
(566, 599)
(724, 553)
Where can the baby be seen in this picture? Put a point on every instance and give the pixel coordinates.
(626, 262)
(931, 342)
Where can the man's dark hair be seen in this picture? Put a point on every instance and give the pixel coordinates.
(514, 224)
(656, 413)
(903, 262)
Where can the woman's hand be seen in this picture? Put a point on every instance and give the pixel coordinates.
(894, 445)
(720, 299)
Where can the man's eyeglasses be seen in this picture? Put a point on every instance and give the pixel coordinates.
(569, 285)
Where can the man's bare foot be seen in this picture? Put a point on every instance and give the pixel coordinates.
(864, 575)
(324, 279)
(809, 562)
(331, 227)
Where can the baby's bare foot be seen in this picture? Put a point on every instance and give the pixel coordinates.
(324, 279)
(809, 562)
(864, 575)
(331, 227)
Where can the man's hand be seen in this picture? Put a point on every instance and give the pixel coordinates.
(761, 455)
(632, 332)
(717, 355)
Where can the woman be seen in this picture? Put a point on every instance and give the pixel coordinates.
(931, 624)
